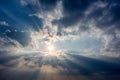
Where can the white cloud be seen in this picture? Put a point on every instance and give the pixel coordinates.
(4, 23)
(9, 45)
(26, 2)
(117, 32)
(49, 31)
(23, 2)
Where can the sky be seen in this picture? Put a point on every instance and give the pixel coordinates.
(59, 39)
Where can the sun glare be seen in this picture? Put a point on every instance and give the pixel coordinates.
(50, 48)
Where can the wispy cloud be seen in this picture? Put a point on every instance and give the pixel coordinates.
(4, 23)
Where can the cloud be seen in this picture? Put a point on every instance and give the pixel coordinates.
(48, 69)
(73, 20)
(85, 34)
(55, 21)
(48, 5)
(23, 3)
(9, 45)
(74, 65)
(21, 64)
(4, 23)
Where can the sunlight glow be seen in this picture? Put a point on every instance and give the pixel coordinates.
(50, 48)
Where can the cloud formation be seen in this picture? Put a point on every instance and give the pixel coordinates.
(43, 22)
(85, 35)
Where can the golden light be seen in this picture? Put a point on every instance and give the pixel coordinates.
(50, 48)
(52, 51)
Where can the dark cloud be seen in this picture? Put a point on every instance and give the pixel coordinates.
(73, 65)
(48, 4)
(105, 15)
(73, 11)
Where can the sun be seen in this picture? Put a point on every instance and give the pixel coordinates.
(50, 48)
